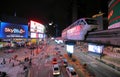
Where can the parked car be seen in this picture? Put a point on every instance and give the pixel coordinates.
(56, 69)
(71, 71)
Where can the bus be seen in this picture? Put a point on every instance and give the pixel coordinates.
(78, 29)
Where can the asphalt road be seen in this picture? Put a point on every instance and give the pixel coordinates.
(42, 65)
(95, 67)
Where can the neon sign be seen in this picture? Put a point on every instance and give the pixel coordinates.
(110, 14)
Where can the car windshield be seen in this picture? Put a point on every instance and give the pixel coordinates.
(55, 68)
(65, 62)
(73, 72)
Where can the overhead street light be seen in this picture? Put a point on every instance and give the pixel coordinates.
(97, 15)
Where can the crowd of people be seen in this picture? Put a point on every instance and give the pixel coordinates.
(13, 62)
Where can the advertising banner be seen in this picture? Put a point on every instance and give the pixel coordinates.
(36, 35)
(10, 30)
(95, 48)
(70, 48)
(36, 27)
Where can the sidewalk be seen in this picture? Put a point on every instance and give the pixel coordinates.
(17, 69)
(12, 71)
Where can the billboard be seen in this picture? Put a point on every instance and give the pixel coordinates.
(70, 48)
(76, 32)
(36, 27)
(114, 14)
(10, 30)
(95, 48)
(36, 35)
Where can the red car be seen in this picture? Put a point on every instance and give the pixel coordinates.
(54, 61)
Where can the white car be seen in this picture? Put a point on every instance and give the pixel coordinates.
(59, 41)
(71, 71)
(56, 69)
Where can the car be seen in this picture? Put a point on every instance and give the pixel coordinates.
(9, 51)
(56, 48)
(71, 71)
(58, 52)
(54, 60)
(56, 69)
(64, 62)
(60, 56)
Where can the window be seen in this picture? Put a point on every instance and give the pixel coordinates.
(91, 21)
(82, 22)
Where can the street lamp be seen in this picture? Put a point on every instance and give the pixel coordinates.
(53, 29)
(51, 23)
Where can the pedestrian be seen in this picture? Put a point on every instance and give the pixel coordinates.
(15, 57)
(13, 64)
(9, 60)
(4, 62)
(25, 52)
(30, 63)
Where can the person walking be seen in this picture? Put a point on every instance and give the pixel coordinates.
(4, 62)
(9, 60)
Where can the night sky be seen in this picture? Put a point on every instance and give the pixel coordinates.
(58, 11)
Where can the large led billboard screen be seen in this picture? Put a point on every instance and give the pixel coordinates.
(36, 35)
(10, 30)
(70, 48)
(114, 14)
(36, 27)
(95, 48)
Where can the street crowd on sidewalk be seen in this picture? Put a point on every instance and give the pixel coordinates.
(14, 66)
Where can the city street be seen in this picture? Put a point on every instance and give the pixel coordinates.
(42, 62)
(42, 65)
